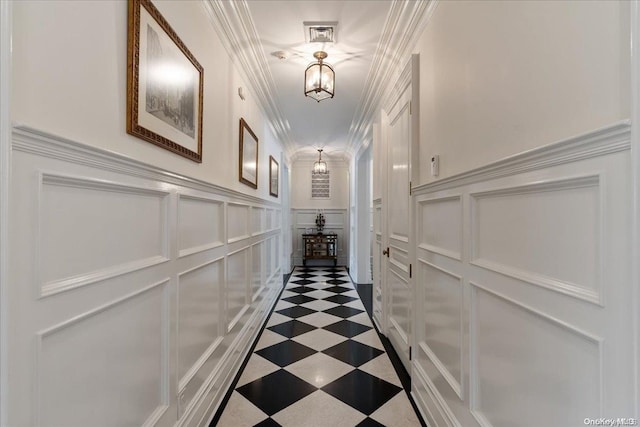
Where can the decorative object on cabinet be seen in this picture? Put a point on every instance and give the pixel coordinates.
(320, 246)
(164, 84)
(273, 176)
(248, 155)
(320, 220)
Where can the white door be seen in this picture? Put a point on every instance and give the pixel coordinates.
(398, 133)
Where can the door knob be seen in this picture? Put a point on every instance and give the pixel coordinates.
(386, 252)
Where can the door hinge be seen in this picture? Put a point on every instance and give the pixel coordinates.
(410, 102)
(410, 358)
(410, 271)
(410, 189)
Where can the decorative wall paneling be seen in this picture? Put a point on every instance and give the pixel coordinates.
(137, 292)
(377, 304)
(524, 300)
(337, 221)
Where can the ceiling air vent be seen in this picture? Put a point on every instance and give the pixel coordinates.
(320, 32)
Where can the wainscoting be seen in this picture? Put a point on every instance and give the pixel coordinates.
(134, 293)
(337, 221)
(523, 293)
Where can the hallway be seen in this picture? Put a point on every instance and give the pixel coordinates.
(318, 362)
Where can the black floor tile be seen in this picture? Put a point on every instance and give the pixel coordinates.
(304, 275)
(276, 391)
(352, 352)
(338, 289)
(269, 422)
(366, 296)
(301, 289)
(333, 275)
(343, 311)
(302, 282)
(292, 328)
(286, 353)
(362, 391)
(298, 299)
(369, 422)
(347, 328)
(337, 282)
(296, 311)
(340, 299)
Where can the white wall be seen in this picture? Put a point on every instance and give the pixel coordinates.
(301, 186)
(70, 79)
(534, 246)
(498, 77)
(142, 277)
(360, 217)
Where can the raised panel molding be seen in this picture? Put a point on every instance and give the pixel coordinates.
(258, 221)
(541, 376)
(237, 222)
(559, 214)
(544, 271)
(446, 315)
(100, 223)
(60, 373)
(439, 222)
(200, 224)
(598, 143)
(237, 286)
(180, 228)
(199, 317)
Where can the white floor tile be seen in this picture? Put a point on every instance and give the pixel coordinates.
(381, 367)
(370, 338)
(397, 412)
(319, 339)
(277, 318)
(319, 305)
(318, 410)
(257, 367)
(320, 319)
(239, 412)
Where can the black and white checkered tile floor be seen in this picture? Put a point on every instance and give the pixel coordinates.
(319, 362)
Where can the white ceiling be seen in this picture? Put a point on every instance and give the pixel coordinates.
(279, 25)
(374, 41)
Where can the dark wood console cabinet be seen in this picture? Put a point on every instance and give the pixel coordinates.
(320, 246)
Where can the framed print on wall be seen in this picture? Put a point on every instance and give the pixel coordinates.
(273, 176)
(248, 155)
(164, 84)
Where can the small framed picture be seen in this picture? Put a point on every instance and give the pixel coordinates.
(164, 84)
(248, 155)
(274, 174)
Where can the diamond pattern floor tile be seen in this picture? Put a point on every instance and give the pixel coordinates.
(349, 389)
(347, 328)
(352, 352)
(319, 362)
(319, 410)
(276, 391)
(286, 352)
(292, 328)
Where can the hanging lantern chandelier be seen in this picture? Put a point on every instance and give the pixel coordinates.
(320, 166)
(319, 79)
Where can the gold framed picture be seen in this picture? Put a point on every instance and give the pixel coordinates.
(248, 155)
(164, 84)
(273, 176)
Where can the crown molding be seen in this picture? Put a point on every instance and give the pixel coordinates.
(233, 22)
(405, 23)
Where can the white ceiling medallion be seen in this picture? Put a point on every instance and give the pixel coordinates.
(320, 32)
